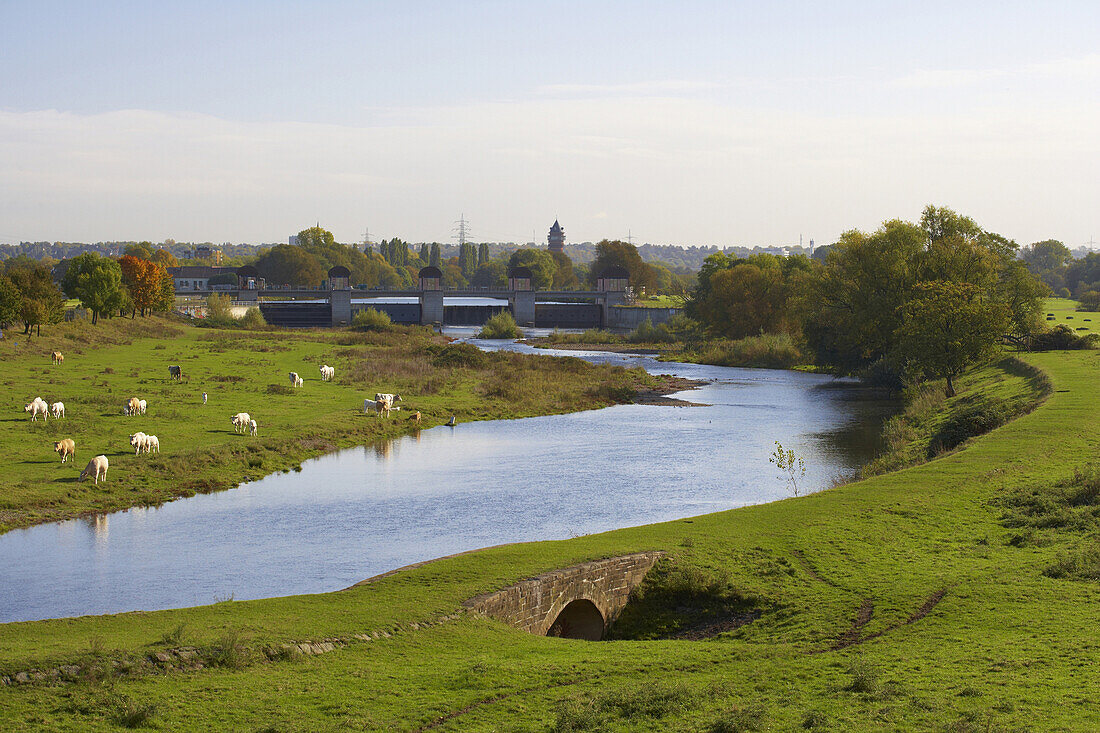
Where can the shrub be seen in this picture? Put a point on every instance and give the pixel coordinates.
(1076, 565)
(253, 320)
(1089, 301)
(1063, 337)
(458, 355)
(971, 418)
(500, 326)
(371, 320)
(218, 313)
(647, 333)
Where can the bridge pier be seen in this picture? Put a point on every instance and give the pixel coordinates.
(523, 307)
(431, 307)
(340, 300)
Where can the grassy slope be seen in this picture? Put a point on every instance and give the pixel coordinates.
(1065, 313)
(106, 364)
(1006, 648)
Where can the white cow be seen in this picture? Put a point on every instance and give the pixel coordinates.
(251, 427)
(386, 397)
(132, 406)
(58, 409)
(142, 404)
(241, 421)
(295, 380)
(327, 373)
(152, 444)
(139, 441)
(38, 407)
(96, 466)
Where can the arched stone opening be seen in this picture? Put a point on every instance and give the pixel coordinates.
(580, 619)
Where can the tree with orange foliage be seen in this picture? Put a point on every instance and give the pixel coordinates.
(144, 280)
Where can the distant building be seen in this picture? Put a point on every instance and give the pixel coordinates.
(206, 252)
(293, 240)
(191, 278)
(556, 239)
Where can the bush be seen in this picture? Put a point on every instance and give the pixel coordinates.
(1089, 301)
(1077, 565)
(371, 320)
(458, 355)
(218, 313)
(1063, 337)
(253, 320)
(971, 418)
(500, 326)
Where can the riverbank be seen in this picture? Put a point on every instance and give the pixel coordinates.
(243, 371)
(939, 597)
(766, 351)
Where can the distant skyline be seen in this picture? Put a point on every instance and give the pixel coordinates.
(693, 124)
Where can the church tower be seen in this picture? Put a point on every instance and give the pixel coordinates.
(556, 238)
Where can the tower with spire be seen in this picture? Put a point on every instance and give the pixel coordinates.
(556, 239)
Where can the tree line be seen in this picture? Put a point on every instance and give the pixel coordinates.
(136, 283)
(908, 300)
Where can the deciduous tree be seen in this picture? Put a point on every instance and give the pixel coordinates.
(946, 327)
(96, 281)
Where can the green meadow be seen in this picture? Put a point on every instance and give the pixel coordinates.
(960, 594)
(244, 371)
(1063, 312)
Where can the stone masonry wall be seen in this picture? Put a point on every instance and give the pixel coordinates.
(534, 604)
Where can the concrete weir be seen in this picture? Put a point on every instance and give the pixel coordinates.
(578, 602)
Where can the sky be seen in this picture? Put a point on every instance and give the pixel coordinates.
(694, 123)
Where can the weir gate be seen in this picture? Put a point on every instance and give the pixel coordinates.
(430, 304)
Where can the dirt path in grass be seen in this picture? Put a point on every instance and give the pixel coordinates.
(852, 637)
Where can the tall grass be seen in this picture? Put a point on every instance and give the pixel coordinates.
(767, 351)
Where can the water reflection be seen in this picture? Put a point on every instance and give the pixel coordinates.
(363, 511)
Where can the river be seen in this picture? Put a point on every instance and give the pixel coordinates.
(362, 511)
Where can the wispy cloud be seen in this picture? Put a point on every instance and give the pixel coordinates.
(1084, 66)
(659, 88)
(685, 170)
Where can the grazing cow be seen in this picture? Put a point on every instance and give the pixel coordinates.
(38, 407)
(415, 417)
(175, 372)
(96, 466)
(251, 427)
(384, 397)
(133, 405)
(139, 442)
(152, 444)
(241, 421)
(65, 448)
(142, 404)
(58, 357)
(58, 409)
(293, 377)
(327, 373)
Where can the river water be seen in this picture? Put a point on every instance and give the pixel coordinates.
(363, 511)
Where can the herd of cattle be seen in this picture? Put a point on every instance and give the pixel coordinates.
(382, 404)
